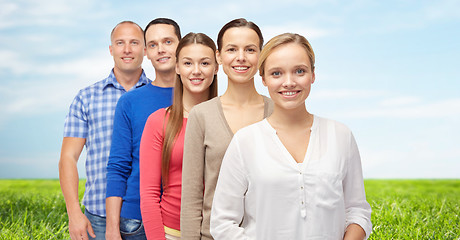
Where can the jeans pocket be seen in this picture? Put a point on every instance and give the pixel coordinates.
(130, 226)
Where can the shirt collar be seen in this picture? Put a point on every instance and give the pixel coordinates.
(112, 80)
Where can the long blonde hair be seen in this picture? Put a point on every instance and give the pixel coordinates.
(176, 110)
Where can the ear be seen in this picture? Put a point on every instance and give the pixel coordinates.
(177, 68)
(263, 81)
(218, 57)
(145, 51)
(110, 50)
(217, 69)
(313, 77)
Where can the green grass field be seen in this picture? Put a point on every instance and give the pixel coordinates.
(402, 209)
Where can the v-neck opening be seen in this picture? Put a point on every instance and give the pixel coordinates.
(283, 148)
(224, 119)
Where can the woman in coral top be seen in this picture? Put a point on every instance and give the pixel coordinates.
(162, 141)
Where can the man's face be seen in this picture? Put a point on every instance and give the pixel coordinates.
(161, 47)
(127, 49)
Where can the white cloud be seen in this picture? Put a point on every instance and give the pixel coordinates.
(400, 101)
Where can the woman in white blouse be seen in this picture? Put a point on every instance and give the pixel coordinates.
(293, 175)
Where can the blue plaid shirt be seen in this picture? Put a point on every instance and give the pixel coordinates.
(91, 116)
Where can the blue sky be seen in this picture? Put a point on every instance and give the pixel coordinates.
(387, 69)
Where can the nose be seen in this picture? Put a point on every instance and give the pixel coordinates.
(289, 81)
(161, 48)
(127, 48)
(196, 70)
(241, 55)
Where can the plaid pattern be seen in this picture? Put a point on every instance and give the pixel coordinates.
(91, 116)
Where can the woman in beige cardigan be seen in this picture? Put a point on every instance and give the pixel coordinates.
(211, 125)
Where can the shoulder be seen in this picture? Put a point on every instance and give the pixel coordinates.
(205, 109)
(157, 118)
(207, 106)
(255, 130)
(332, 125)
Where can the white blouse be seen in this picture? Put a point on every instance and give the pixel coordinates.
(263, 193)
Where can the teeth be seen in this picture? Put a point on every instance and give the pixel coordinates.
(288, 93)
(163, 59)
(241, 68)
(196, 80)
(127, 58)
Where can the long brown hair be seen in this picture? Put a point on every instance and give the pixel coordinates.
(176, 110)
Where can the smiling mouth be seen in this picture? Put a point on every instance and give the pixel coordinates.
(289, 93)
(196, 81)
(127, 59)
(163, 59)
(241, 68)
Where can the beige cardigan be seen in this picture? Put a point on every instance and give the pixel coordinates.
(207, 137)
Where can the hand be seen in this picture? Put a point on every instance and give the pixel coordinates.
(113, 234)
(79, 227)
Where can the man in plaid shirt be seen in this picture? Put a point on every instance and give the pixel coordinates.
(89, 123)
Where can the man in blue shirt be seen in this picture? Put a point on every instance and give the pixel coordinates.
(89, 123)
(123, 199)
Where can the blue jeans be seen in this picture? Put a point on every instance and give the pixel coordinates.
(98, 225)
(132, 229)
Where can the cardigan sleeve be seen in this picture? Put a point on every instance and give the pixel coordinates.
(357, 209)
(192, 178)
(150, 175)
(228, 204)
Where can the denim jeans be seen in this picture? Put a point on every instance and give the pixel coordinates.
(98, 225)
(132, 229)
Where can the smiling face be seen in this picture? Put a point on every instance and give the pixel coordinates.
(288, 76)
(161, 46)
(196, 65)
(127, 48)
(239, 54)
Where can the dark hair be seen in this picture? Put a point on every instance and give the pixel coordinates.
(240, 22)
(176, 110)
(165, 21)
(124, 22)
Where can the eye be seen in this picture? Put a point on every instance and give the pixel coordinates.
(205, 63)
(276, 74)
(300, 71)
(135, 43)
(168, 42)
(231, 50)
(119, 43)
(152, 45)
(187, 63)
(251, 50)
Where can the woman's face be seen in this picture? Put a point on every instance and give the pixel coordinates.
(239, 54)
(288, 76)
(196, 66)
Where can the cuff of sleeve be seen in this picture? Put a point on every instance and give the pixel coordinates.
(116, 189)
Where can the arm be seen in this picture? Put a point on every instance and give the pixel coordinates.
(118, 167)
(192, 179)
(357, 209)
(71, 149)
(228, 204)
(150, 176)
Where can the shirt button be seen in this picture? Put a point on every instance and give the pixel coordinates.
(301, 187)
(302, 202)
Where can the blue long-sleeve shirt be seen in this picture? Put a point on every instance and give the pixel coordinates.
(131, 113)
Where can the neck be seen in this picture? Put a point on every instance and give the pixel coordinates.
(241, 93)
(164, 79)
(127, 79)
(292, 118)
(189, 100)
